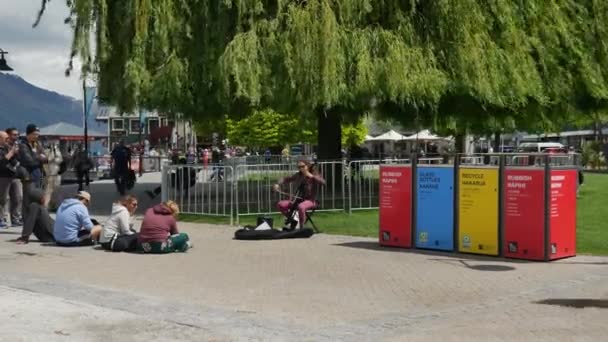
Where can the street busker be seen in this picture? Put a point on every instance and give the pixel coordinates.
(306, 181)
(38, 221)
(73, 225)
(159, 234)
(117, 233)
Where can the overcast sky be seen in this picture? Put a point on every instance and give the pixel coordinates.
(40, 55)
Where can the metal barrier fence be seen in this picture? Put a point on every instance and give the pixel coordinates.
(254, 193)
(234, 162)
(521, 159)
(102, 165)
(244, 190)
(273, 159)
(362, 178)
(198, 190)
(541, 160)
(332, 196)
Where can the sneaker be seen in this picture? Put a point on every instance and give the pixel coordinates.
(22, 241)
(16, 223)
(3, 225)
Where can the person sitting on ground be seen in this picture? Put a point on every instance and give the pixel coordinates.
(73, 225)
(306, 180)
(159, 234)
(117, 234)
(38, 220)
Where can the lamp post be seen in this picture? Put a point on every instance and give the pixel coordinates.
(3, 65)
(141, 145)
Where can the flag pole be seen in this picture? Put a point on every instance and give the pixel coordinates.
(84, 115)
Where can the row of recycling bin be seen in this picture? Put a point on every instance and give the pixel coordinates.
(510, 211)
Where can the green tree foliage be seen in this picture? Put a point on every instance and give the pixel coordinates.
(205, 128)
(466, 65)
(267, 128)
(593, 155)
(354, 133)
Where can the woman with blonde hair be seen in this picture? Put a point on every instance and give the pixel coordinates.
(117, 233)
(159, 234)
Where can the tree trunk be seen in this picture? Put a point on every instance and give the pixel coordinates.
(329, 136)
(460, 143)
(497, 146)
(595, 130)
(329, 148)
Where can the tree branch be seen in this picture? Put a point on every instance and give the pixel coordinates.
(40, 13)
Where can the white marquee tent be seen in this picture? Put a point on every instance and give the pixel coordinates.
(389, 136)
(425, 135)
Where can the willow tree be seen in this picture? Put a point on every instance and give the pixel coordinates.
(466, 65)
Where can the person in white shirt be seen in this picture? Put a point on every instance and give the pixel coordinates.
(53, 176)
(117, 234)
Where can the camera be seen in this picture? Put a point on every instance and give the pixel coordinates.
(19, 171)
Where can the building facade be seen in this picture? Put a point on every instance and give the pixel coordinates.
(159, 130)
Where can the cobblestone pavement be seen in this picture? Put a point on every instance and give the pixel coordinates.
(322, 288)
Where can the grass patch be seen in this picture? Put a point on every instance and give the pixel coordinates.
(204, 219)
(592, 224)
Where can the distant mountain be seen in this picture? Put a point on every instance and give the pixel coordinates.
(22, 103)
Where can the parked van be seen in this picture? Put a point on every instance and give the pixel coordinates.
(542, 147)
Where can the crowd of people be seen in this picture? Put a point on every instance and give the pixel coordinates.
(30, 174)
(21, 170)
(73, 226)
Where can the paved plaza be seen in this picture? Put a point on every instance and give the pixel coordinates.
(326, 288)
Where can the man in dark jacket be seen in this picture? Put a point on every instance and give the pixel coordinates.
(121, 160)
(82, 165)
(31, 156)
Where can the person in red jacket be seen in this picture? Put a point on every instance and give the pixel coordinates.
(158, 232)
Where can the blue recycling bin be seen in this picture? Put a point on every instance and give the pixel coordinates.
(434, 228)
